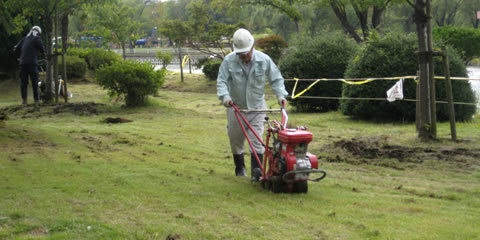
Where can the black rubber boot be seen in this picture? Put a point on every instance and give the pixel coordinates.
(240, 170)
(255, 168)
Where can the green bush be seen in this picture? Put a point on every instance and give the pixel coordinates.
(322, 57)
(95, 57)
(98, 57)
(165, 57)
(394, 55)
(273, 46)
(132, 80)
(210, 69)
(76, 66)
(465, 40)
(79, 52)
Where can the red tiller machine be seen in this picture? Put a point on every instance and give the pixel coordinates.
(287, 165)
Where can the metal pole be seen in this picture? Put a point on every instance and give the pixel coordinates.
(55, 67)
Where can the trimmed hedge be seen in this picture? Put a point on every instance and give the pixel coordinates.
(394, 55)
(211, 68)
(95, 57)
(76, 66)
(133, 80)
(98, 57)
(273, 46)
(465, 40)
(323, 57)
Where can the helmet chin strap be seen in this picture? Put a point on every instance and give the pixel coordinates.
(32, 32)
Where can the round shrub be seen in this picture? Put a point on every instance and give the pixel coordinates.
(79, 52)
(97, 57)
(76, 66)
(323, 57)
(394, 55)
(210, 69)
(272, 46)
(165, 57)
(132, 80)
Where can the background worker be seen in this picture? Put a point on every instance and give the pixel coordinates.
(27, 49)
(241, 80)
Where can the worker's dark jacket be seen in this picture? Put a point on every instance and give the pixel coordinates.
(29, 46)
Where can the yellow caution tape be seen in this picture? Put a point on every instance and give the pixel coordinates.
(347, 82)
(185, 60)
(415, 78)
(302, 92)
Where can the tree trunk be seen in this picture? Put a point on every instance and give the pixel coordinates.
(425, 121)
(48, 96)
(64, 51)
(181, 61)
(362, 15)
(123, 50)
(297, 27)
(55, 62)
(377, 16)
(339, 11)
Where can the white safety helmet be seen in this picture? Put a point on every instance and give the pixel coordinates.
(37, 29)
(242, 41)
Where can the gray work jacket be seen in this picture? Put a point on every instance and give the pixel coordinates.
(247, 90)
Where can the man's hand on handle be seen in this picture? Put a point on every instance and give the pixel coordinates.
(282, 101)
(227, 102)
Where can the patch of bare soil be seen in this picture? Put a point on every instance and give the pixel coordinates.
(116, 120)
(78, 108)
(377, 151)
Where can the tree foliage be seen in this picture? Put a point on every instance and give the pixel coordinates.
(273, 46)
(165, 57)
(362, 9)
(115, 22)
(465, 40)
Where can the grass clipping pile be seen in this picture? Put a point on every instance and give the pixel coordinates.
(78, 108)
(377, 151)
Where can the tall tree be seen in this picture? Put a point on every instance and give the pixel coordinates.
(114, 22)
(445, 11)
(426, 119)
(44, 11)
(470, 9)
(362, 9)
(288, 7)
(9, 36)
(179, 32)
(207, 33)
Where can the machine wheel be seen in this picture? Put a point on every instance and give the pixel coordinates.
(300, 187)
(278, 185)
(266, 184)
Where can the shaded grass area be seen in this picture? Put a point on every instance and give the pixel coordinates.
(65, 175)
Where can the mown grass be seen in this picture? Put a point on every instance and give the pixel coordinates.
(70, 176)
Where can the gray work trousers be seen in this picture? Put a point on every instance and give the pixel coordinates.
(236, 135)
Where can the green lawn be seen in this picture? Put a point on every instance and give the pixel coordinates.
(68, 175)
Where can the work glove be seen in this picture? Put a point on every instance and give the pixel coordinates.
(227, 102)
(282, 101)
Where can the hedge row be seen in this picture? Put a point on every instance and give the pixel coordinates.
(391, 55)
